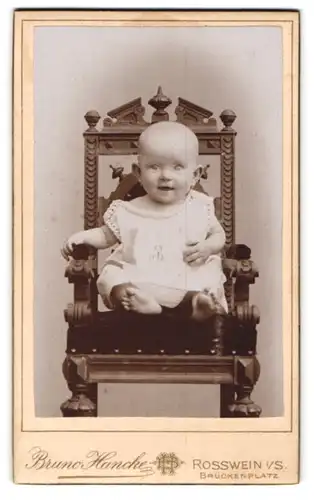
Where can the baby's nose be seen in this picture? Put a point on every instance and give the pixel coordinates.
(165, 175)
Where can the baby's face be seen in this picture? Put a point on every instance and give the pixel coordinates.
(167, 171)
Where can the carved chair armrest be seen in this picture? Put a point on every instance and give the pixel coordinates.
(79, 267)
(239, 268)
(239, 265)
(80, 272)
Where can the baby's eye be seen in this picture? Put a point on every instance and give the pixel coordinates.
(178, 167)
(153, 166)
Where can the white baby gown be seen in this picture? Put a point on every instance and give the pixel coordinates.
(150, 253)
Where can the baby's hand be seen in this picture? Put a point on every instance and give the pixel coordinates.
(196, 253)
(68, 247)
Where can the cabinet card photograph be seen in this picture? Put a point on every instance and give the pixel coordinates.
(156, 247)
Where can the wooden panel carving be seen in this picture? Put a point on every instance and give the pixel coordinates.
(227, 201)
(247, 370)
(129, 119)
(191, 114)
(208, 146)
(213, 143)
(227, 188)
(162, 368)
(119, 145)
(131, 113)
(91, 182)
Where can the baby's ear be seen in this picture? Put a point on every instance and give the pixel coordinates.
(136, 170)
(198, 173)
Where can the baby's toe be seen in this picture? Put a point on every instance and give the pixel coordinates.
(132, 300)
(125, 303)
(214, 299)
(130, 292)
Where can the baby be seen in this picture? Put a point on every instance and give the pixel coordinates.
(168, 240)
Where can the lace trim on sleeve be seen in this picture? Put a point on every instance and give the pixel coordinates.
(111, 219)
(211, 213)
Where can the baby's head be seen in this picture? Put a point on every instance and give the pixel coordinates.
(167, 168)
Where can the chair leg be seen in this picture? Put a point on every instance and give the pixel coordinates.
(227, 396)
(93, 395)
(243, 406)
(83, 402)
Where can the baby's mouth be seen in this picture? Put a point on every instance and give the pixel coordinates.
(165, 188)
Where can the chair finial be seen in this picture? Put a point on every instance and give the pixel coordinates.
(227, 117)
(92, 117)
(117, 172)
(160, 102)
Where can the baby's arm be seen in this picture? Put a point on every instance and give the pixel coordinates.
(99, 237)
(197, 253)
(215, 239)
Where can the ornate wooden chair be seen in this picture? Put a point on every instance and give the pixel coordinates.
(127, 347)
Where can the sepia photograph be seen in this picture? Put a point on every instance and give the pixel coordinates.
(158, 172)
(214, 96)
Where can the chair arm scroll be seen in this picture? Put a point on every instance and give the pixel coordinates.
(246, 314)
(78, 269)
(81, 273)
(240, 269)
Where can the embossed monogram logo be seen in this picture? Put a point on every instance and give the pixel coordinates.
(168, 463)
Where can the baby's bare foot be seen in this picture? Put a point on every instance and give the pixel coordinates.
(138, 301)
(205, 305)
